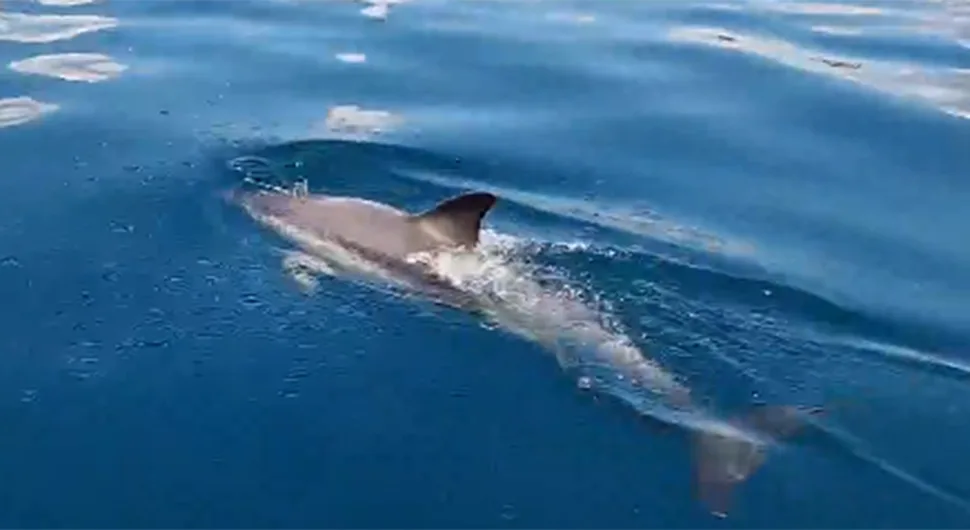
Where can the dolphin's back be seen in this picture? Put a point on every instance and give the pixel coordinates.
(379, 228)
(376, 227)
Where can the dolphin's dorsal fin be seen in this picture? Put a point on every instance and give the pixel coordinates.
(459, 219)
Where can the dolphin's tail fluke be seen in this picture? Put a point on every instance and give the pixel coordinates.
(723, 461)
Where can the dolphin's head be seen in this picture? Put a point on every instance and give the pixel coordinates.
(265, 203)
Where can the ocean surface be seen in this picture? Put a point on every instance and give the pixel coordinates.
(769, 198)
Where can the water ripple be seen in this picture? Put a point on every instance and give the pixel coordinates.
(946, 89)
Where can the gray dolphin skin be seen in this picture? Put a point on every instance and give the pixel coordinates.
(350, 233)
(360, 236)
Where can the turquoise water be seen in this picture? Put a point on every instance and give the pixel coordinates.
(767, 197)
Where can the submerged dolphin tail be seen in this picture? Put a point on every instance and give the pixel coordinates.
(723, 461)
(459, 219)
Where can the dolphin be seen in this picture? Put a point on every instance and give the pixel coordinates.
(359, 236)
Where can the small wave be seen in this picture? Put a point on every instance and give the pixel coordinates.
(20, 110)
(911, 357)
(858, 449)
(34, 29)
(86, 67)
(639, 222)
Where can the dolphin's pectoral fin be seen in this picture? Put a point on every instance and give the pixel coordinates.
(304, 270)
(459, 219)
(722, 462)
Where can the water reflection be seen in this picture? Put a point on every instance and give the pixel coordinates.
(46, 28)
(351, 57)
(87, 67)
(950, 17)
(27, 28)
(20, 110)
(836, 30)
(65, 3)
(814, 8)
(576, 18)
(378, 9)
(948, 89)
(353, 121)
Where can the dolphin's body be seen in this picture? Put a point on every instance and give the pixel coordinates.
(359, 236)
(356, 235)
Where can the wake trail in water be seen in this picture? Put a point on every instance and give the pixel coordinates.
(858, 448)
(542, 305)
(546, 307)
(538, 304)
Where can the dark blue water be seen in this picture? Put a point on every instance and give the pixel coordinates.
(770, 197)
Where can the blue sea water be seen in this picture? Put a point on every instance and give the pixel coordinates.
(769, 197)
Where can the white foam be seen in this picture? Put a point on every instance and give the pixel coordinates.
(86, 67)
(26, 28)
(20, 110)
(545, 306)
